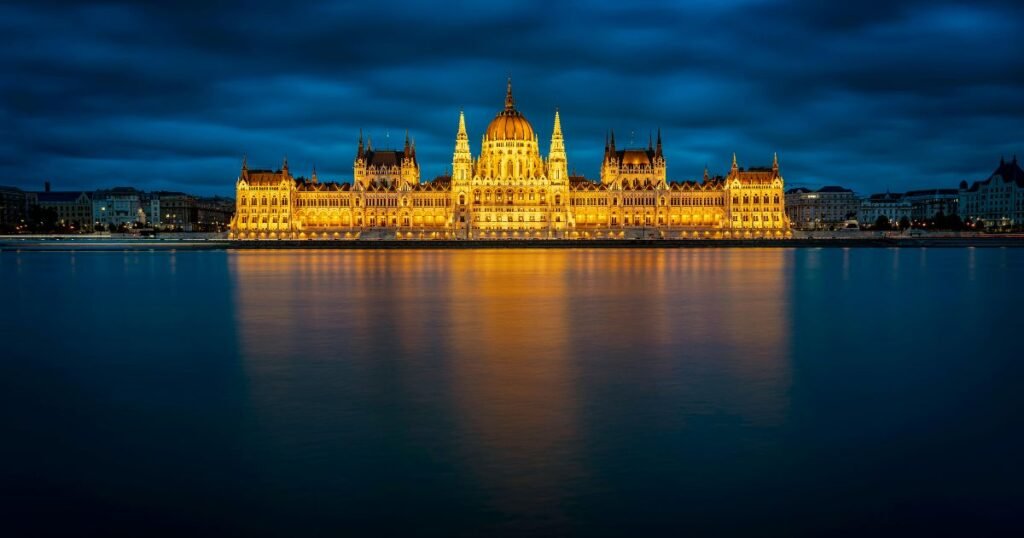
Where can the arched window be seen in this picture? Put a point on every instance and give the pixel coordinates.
(462, 199)
(242, 201)
(508, 168)
(558, 199)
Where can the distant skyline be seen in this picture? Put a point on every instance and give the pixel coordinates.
(872, 96)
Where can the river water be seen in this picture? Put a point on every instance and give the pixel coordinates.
(513, 392)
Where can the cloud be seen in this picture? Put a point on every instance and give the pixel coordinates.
(170, 95)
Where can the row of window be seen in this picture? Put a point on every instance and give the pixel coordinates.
(757, 199)
(755, 218)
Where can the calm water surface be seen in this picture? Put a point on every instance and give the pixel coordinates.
(483, 393)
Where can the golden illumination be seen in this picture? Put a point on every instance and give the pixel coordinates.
(509, 191)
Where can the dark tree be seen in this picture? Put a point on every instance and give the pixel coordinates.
(882, 223)
(904, 223)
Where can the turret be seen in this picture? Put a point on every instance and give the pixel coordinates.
(558, 166)
(462, 160)
(775, 163)
(313, 178)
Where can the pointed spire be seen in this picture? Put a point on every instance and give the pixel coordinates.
(510, 102)
(706, 174)
(245, 165)
(406, 149)
(462, 122)
(775, 162)
(734, 165)
(314, 178)
(611, 145)
(658, 152)
(284, 165)
(359, 152)
(369, 143)
(558, 124)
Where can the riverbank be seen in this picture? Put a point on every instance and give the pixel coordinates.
(17, 244)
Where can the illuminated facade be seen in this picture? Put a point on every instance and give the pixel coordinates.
(510, 191)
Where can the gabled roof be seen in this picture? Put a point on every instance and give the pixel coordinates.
(385, 158)
(834, 188)
(1006, 172)
(886, 197)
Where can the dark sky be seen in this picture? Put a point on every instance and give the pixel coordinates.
(170, 95)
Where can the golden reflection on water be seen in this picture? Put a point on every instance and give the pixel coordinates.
(518, 345)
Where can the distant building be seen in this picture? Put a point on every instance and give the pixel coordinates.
(195, 214)
(893, 206)
(822, 208)
(125, 206)
(925, 204)
(998, 200)
(14, 206)
(73, 208)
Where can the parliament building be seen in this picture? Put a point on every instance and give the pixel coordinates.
(510, 192)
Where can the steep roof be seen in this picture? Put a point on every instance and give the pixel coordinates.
(1006, 172)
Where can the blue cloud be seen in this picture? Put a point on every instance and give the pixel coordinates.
(896, 95)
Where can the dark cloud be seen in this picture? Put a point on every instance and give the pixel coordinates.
(170, 94)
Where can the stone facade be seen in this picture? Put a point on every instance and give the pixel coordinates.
(509, 191)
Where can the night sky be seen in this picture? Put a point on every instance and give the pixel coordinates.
(170, 95)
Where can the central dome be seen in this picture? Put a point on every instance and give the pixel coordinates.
(509, 124)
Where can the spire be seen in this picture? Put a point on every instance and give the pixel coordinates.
(706, 174)
(369, 143)
(313, 178)
(413, 150)
(284, 165)
(245, 165)
(406, 149)
(775, 162)
(658, 152)
(462, 160)
(510, 102)
(359, 152)
(611, 145)
(558, 168)
(734, 165)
